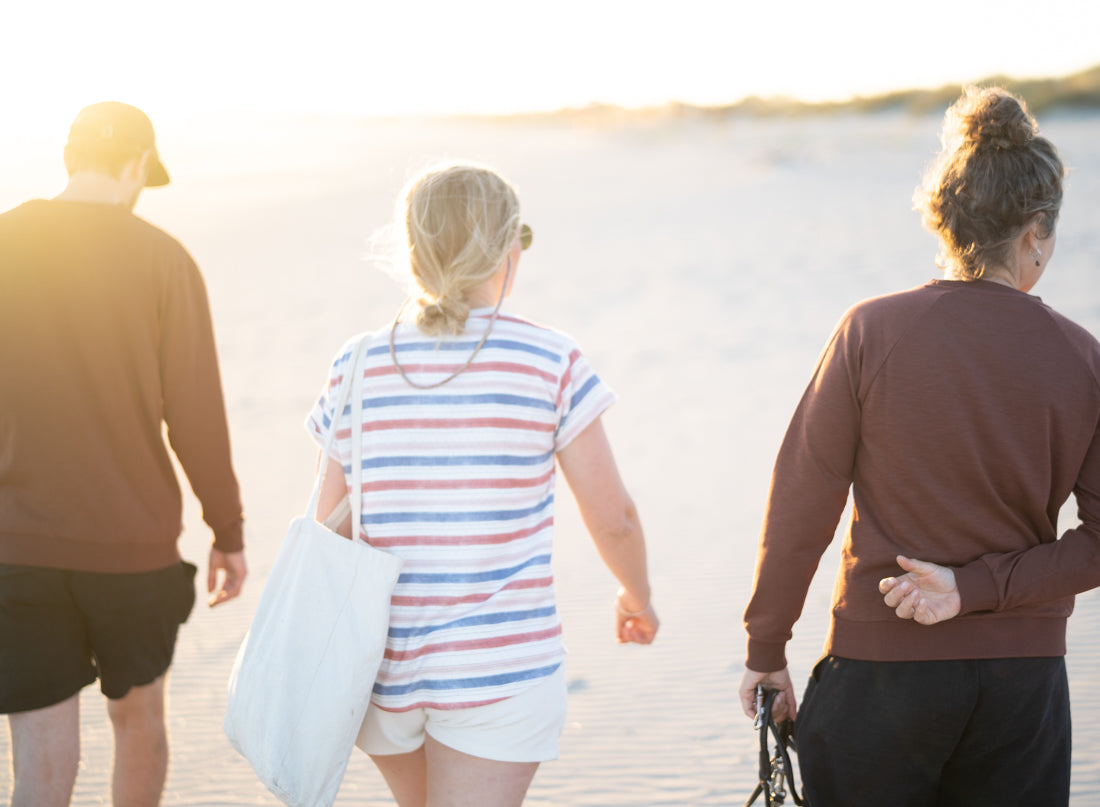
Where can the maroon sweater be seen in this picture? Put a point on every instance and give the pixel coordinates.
(105, 336)
(962, 415)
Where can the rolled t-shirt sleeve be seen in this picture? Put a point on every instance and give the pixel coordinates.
(321, 417)
(581, 398)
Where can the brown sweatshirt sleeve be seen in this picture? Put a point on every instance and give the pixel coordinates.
(809, 489)
(1050, 571)
(194, 406)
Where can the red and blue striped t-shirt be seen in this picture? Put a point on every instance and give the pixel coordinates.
(459, 481)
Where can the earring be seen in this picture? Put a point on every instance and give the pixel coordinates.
(1036, 254)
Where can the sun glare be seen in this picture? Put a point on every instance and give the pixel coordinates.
(367, 57)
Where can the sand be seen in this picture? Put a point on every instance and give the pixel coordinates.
(701, 266)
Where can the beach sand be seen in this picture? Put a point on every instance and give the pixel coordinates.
(701, 266)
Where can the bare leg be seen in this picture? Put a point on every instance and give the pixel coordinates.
(45, 753)
(460, 780)
(406, 775)
(141, 746)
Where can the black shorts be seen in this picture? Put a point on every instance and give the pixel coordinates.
(60, 630)
(962, 733)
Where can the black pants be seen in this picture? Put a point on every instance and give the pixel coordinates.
(936, 733)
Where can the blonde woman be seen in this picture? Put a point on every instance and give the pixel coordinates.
(962, 414)
(466, 408)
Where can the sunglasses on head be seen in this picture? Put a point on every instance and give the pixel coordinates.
(525, 236)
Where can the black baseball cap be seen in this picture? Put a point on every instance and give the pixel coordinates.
(111, 127)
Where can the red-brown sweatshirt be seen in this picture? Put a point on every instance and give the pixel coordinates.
(962, 415)
(105, 337)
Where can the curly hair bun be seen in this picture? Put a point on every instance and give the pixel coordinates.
(443, 314)
(993, 118)
(994, 176)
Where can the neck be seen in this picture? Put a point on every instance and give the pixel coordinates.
(88, 186)
(493, 291)
(477, 299)
(997, 277)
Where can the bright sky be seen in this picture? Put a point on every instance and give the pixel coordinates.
(179, 58)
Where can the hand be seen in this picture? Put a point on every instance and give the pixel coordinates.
(928, 592)
(785, 704)
(230, 566)
(638, 626)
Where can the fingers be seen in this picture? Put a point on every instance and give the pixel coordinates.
(907, 605)
(748, 704)
(225, 594)
(924, 614)
(220, 594)
(785, 704)
(635, 627)
(917, 567)
(231, 589)
(927, 593)
(624, 630)
(905, 563)
(641, 633)
(231, 569)
(897, 592)
(901, 595)
(631, 632)
(747, 692)
(639, 630)
(932, 613)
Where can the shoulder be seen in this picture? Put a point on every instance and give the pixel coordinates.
(534, 339)
(888, 307)
(882, 320)
(162, 243)
(30, 211)
(26, 209)
(107, 221)
(867, 333)
(375, 342)
(1080, 339)
(109, 237)
(1077, 334)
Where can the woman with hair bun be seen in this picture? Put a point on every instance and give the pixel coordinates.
(962, 414)
(465, 410)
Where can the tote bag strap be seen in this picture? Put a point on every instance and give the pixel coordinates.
(351, 381)
(355, 496)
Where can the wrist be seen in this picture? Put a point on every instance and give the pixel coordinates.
(631, 605)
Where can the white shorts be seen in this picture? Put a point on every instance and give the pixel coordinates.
(523, 728)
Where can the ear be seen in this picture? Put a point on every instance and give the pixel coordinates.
(1036, 228)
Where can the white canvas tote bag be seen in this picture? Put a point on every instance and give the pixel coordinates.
(302, 680)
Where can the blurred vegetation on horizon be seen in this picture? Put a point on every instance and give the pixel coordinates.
(1078, 91)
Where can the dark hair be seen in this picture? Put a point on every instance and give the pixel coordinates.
(994, 175)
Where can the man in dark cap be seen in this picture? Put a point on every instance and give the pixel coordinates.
(105, 337)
